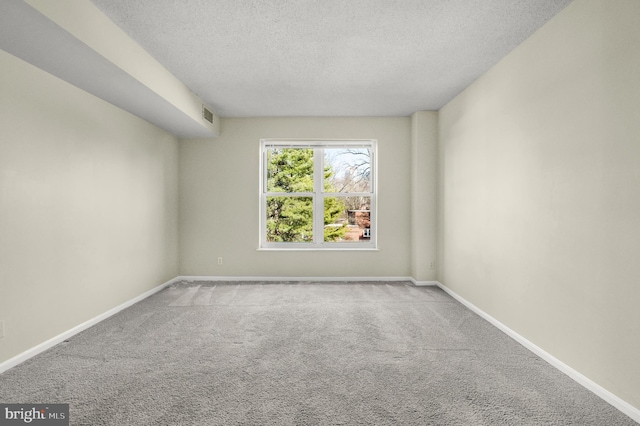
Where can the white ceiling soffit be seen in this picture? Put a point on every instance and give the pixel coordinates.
(31, 36)
(328, 57)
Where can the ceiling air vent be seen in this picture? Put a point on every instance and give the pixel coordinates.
(207, 115)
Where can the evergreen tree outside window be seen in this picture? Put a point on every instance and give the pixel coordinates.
(317, 194)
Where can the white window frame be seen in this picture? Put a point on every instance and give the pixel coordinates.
(318, 194)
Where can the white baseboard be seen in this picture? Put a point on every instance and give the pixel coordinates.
(20, 358)
(424, 283)
(604, 394)
(305, 279)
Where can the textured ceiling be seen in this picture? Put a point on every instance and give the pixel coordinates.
(328, 57)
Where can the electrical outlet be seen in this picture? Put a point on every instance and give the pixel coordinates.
(1, 329)
(219, 261)
(432, 265)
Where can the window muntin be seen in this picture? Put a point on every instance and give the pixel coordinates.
(317, 194)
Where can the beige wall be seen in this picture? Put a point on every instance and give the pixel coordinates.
(88, 206)
(539, 205)
(424, 173)
(219, 201)
(108, 40)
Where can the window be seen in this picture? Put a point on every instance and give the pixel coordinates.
(318, 194)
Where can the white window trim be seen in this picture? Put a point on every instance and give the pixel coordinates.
(319, 244)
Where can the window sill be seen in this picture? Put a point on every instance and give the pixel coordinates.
(318, 249)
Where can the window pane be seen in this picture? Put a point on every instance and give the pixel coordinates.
(347, 219)
(347, 170)
(289, 169)
(290, 219)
